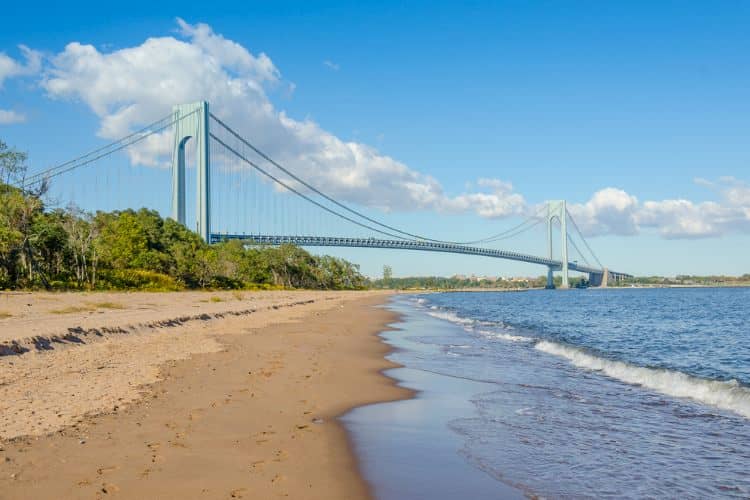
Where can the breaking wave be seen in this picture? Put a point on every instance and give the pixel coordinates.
(471, 324)
(727, 395)
(505, 336)
(452, 317)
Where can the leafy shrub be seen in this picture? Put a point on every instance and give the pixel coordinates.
(136, 279)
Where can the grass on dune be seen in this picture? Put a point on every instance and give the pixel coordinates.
(88, 307)
(107, 305)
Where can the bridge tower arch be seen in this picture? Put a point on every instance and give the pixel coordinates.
(191, 122)
(557, 210)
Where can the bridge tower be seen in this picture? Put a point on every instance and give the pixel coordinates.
(192, 122)
(557, 210)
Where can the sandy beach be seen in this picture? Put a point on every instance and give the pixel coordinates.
(177, 395)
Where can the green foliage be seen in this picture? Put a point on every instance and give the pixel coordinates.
(457, 283)
(683, 280)
(387, 274)
(12, 164)
(138, 250)
(137, 279)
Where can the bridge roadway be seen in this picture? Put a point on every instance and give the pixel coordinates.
(423, 245)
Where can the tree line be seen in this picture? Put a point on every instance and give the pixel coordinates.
(454, 283)
(67, 248)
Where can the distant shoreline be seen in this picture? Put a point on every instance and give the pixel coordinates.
(633, 287)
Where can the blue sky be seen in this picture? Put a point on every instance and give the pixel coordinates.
(557, 99)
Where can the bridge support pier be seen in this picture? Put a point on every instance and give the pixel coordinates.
(192, 122)
(550, 278)
(599, 279)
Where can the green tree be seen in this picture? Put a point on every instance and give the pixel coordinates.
(387, 275)
(137, 249)
(18, 214)
(12, 164)
(82, 232)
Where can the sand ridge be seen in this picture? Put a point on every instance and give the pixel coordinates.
(55, 383)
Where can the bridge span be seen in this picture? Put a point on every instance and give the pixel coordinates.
(261, 202)
(597, 276)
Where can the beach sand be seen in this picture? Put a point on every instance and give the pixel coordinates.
(187, 395)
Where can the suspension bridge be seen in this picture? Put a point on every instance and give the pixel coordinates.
(242, 193)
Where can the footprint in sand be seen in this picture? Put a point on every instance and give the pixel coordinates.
(264, 433)
(237, 493)
(108, 488)
(258, 465)
(104, 470)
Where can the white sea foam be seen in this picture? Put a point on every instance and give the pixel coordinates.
(505, 336)
(525, 411)
(453, 318)
(727, 395)
(468, 323)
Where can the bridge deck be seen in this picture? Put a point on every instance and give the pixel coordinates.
(422, 245)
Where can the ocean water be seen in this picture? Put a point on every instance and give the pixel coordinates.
(577, 394)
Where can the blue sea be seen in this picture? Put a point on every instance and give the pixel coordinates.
(619, 393)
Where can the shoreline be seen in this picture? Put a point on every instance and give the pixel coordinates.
(421, 425)
(257, 417)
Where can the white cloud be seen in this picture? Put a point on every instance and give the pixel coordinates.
(332, 65)
(609, 211)
(10, 67)
(683, 218)
(130, 87)
(8, 117)
(613, 211)
(137, 85)
(500, 201)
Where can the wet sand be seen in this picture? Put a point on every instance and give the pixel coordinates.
(245, 406)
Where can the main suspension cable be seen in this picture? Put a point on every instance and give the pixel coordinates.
(582, 238)
(101, 152)
(332, 200)
(501, 236)
(572, 242)
(295, 191)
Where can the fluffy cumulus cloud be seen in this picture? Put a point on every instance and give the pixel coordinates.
(8, 117)
(613, 211)
(499, 200)
(133, 86)
(609, 211)
(137, 85)
(10, 67)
